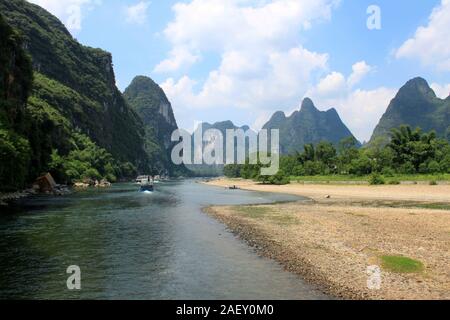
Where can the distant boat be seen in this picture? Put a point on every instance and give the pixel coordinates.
(143, 179)
(147, 188)
(146, 183)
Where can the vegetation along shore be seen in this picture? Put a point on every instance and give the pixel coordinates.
(334, 237)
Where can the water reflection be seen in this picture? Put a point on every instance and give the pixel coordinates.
(131, 245)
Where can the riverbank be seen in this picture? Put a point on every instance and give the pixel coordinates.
(332, 239)
(6, 198)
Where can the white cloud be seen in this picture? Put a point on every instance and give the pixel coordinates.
(360, 70)
(262, 67)
(360, 109)
(332, 84)
(442, 91)
(274, 79)
(179, 57)
(430, 44)
(223, 26)
(70, 12)
(137, 13)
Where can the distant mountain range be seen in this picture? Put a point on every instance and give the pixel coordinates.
(71, 90)
(415, 105)
(309, 125)
(222, 126)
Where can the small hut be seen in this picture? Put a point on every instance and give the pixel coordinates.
(45, 183)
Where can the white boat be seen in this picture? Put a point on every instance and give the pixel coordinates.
(146, 183)
(143, 179)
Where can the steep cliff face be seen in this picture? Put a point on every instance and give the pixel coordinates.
(150, 102)
(415, 105)
(15, 84)
(309, 125)
(75, 85)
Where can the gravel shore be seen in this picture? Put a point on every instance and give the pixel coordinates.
(333, 239)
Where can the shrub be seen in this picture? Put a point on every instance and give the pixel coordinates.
(299, 170)
(394, 182)
(388, 172)
(376, 179)
(434, 167)
(14, 160)
(111, 178)
(407, 168)
(433, 183)
(279, 179)
(313, 168)
(361, 166)
(445, 164)
(91, 173)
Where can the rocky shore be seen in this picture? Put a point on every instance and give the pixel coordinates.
(332, 241)
(6, 198)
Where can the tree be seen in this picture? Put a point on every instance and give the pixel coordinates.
(412, 147)
(326, 153)
(348, 150)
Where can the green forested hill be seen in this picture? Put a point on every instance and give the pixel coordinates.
(415, 105)
(73, 103)
(15, 84)
(309, 125)
(150, 102)
(99, 109)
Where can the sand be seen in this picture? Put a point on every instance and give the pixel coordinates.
(333, 239)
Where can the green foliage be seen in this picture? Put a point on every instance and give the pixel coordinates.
(280, 178)
(73, 91)
(15, 82)
(361, 166)
(376, 179)
(88, 161)
(410, 152)
(14, 160)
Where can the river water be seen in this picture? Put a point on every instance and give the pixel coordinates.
(131, 245)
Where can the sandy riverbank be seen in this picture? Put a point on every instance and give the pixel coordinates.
(332, 241)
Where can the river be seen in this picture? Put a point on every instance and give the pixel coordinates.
(131, 245)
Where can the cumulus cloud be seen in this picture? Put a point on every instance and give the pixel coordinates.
(178, 58)
(137, 13)
(332, 84)
(242, 81)
(70, 12)
(359, 109)
(360, 70)
(442, 91)
(262, 66)
(220, 26)
(430, 43)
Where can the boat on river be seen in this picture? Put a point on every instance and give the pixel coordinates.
(147, 188)
(146, 183)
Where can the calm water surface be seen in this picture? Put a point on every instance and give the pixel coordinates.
(131, 245)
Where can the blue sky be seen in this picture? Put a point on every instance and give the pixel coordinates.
(243, 60)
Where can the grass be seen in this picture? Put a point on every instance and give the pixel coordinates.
(434, 206)
(253, 211)
(365, 179)
(400, 264)
(256, 212)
